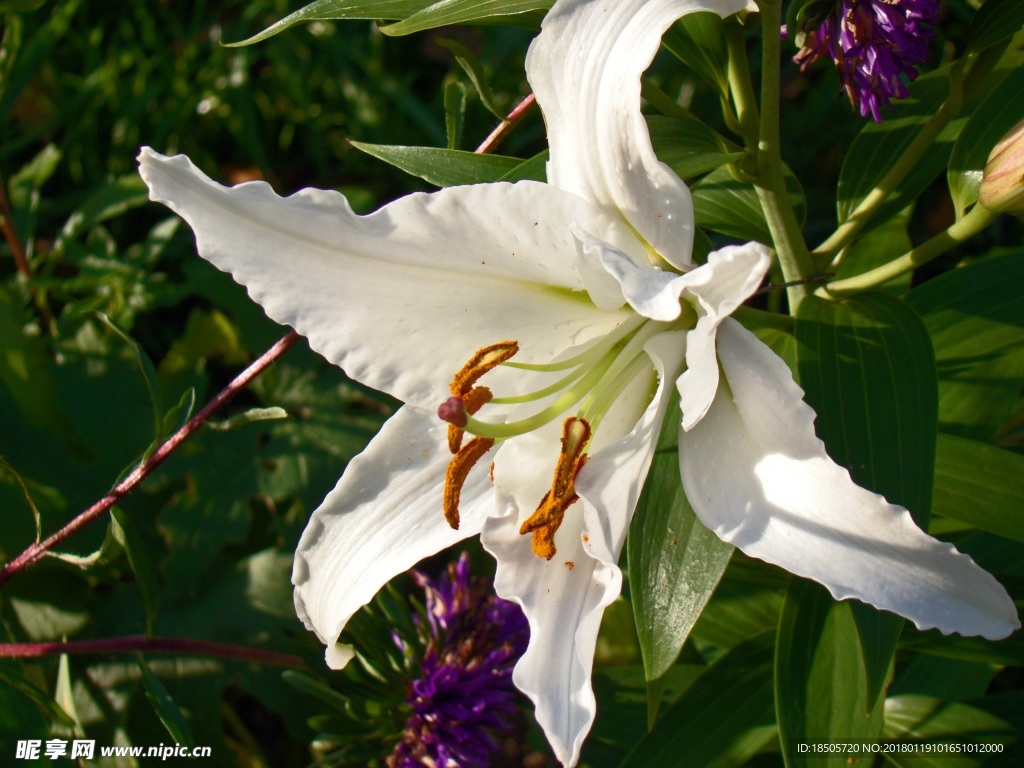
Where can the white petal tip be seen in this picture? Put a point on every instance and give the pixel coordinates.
(338, 655)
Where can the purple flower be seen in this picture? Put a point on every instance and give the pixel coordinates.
(875, 45)
(464, 696)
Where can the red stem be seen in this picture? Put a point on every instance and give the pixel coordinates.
(178, 645)
(122, 489)
(514, 117)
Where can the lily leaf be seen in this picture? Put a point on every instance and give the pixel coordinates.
(445, 12)
(868, 369)
(330, 10)
(980, 484)
(993, 118)
(442, 167)
(723, 204)
(698, 40)
(820, 689)
(995, 21)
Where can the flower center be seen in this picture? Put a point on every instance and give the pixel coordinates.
(592, 381)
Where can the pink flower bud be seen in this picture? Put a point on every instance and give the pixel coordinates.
(1002, 187)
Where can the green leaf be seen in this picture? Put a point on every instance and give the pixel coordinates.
(273, 413)
(723, 718)
(329, 10)
(973, 315)
(821, 692)
(442, 167)
(472, 66)
(64, 695)
(746, 603)
(878, 247)
(990, 121)
(454, 112)
(109, 551)
(917, 719)
(316, 688)
(1008, 652)
(143, 558)
(868, 370)
(879, 145)
(447, 12)
(675, 562)
(25, 370)
(534, 169)
(952, 679)
(689, 146)
(148, 372)
(106, 202)
(46, 703)
(7, 469)
(722, 204)
(995, 21)
(698, 40)
(981, 485)
(168, 712)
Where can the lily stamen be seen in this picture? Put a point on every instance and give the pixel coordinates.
(545, 521)
(458, 471)
(480, 363)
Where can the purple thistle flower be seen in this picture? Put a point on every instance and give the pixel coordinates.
(874, 43)
(464, 696)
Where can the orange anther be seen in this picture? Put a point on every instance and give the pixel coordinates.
(458, 471)
(480, 363)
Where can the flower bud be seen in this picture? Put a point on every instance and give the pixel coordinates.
(1002, 186)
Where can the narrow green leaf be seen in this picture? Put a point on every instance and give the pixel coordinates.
(995, 21)
(50, 708)
(142, 557)
(732, 207)
(168, 712)
(868, 370)
(447, 12)
(746, 603)
(6, 468)
(473, 67)
(990, 121)
(534, 169)
(108, 201)
(674, 562)
(148, 372)
(273, 413)
(20, 6)
(64, 696)
(723, 718)
(973, 315)
(821, 692)
(1008, 652)
(331, 10)
(698, 40)
(980, 484)
(313, 687)
(179, 415)
(454, 112)
(109, 551)
(442, 167)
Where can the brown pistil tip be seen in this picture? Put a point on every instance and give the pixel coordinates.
(453, 411)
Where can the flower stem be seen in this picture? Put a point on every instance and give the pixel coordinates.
(505, 127)
(144, 469)
(873, 201)
(971, 224)
(794, 257)
(132, 643)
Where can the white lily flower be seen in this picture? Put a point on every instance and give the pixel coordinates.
(588, 281)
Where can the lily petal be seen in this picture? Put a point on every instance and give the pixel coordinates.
(585, 69)
(401, 298)
(382, 518)
(756, 474)
(564, 598)
(729, 278)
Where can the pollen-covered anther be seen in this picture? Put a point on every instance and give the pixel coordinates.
(458, 471)
(477, 398)
(544, 523)
(480, 363)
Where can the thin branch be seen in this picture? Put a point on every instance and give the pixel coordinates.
(514, 117)
(132, 643)
(122, 489)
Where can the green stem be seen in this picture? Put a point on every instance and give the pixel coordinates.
(873, 201)
(794, 257)
(741, 88)
(970, 225)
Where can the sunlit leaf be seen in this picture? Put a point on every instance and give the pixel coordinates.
(442, 167)
(168, 712)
